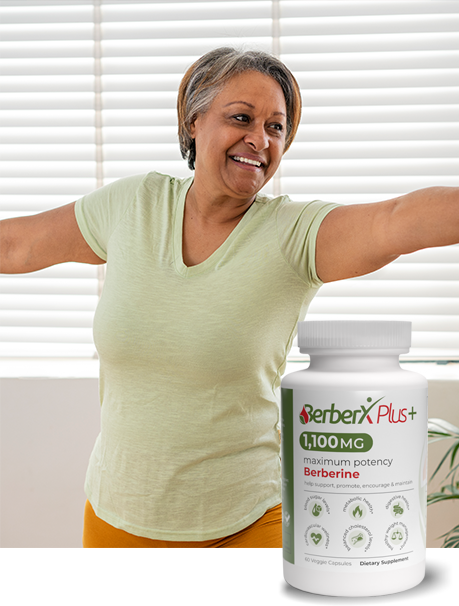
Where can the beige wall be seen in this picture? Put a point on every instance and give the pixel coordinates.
(443, 404)
(47, 431)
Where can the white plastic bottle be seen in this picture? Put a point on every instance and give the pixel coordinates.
(354, 462)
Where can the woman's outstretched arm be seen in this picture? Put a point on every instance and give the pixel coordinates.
(38, 241)
(358, 239)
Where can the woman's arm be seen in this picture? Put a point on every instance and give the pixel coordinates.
(358, 239)
(38, 241)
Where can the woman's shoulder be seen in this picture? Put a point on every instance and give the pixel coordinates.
(150, 182)
(161, 183)
(290, 209)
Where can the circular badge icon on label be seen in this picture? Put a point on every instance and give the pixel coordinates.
(316, 536)
(316, 509)
(396, 536)
(397, 509)
(357, 510)
(357, 538)
(316, 506)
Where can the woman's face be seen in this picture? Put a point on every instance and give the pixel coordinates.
(240, 139)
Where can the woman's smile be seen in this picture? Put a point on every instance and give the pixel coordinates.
(248, 163)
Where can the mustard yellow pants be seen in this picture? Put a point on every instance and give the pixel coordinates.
(265, 532)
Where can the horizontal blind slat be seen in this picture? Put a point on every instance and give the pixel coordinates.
(376, 8)
(378, 132)
(380, 114)
(31, 33)
(365, 26)
(57, 169)
(46, 350)
(66, 286)
(184, 11)
(356, 305)
(46, 152)
(368, 42)
(371, 149)
(362, 167)
(377, 60)
(48, 302)
(325, 188)
(169, 47)
(18, 49)
(356, 287)
(20, 319)
(22, 13)
(38, 134)
(48, 334)
(416, 95)
(182, 30)
(52, 66)
(437, 324)
(47, 117)
(75, 186)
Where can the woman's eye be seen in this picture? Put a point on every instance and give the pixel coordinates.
(242, 118)
(278, 127)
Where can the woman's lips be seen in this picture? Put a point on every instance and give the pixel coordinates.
(248, 163)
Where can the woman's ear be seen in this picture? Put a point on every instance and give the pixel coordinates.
(193, 126)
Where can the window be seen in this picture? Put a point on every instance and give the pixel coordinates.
(88, 96)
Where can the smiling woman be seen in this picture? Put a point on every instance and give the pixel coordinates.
(208, 275)
(238, 114)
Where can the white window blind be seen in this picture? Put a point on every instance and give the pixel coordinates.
(48, 158)
(380, 85)
(89, 94)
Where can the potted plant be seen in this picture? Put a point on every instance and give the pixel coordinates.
(442, 430)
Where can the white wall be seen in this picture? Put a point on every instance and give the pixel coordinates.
(47, 431)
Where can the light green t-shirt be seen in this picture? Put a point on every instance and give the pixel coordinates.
(191, 358)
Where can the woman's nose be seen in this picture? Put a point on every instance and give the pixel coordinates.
(257, 138)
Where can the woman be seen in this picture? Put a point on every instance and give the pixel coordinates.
(206, 281)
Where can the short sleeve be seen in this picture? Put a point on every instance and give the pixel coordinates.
(298, 224)
(99, 212)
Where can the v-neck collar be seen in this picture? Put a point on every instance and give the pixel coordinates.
(215, 257)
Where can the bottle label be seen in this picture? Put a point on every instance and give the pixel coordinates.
(354, 478)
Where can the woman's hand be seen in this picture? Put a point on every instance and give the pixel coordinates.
(38, 241)
(361, 238)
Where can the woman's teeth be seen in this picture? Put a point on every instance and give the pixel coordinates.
(246, 161)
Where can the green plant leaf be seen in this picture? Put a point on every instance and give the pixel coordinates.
(439, 429)
(436, 497)
(452, 538)
(454, 453)
(442, 427)
(450, 449)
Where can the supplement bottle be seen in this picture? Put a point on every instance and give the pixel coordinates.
(354, 462)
